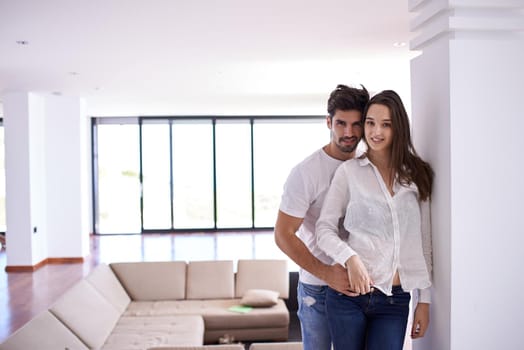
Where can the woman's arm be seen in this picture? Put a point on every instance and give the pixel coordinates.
(427, 249)
(328, 235)
(421, 316)
(333, 209)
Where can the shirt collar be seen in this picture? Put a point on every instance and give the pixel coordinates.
(364, 161)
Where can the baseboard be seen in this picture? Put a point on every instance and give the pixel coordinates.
(78, 260)
(48, 261)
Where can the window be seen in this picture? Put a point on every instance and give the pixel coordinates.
(278, 146)
(233, 174)
(156, 174)
(117, 179)
(195, 173)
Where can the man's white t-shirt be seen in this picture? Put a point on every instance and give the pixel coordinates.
(304, 193)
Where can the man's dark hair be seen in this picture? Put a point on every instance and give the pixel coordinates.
(347, 98)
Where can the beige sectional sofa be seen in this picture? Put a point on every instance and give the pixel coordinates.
(145, 305)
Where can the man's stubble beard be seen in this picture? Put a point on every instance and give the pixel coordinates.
(347, 149)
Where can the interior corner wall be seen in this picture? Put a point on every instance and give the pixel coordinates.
(431, 124)
(487, 240)
(66, 159)
(467, 122)
(25, 178)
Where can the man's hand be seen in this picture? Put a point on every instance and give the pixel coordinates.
(337, 278)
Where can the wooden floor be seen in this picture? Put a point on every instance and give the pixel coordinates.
(23, 295)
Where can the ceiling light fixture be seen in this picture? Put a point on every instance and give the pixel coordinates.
(22, 42)
(399, 44)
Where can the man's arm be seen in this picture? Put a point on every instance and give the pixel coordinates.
(286, 239)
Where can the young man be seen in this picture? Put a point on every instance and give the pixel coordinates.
(302, 200)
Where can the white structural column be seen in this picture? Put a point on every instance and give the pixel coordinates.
(67, 177)
(468, 122)
(47, 177)
(26, 235)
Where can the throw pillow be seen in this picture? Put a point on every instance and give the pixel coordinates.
(259, 298)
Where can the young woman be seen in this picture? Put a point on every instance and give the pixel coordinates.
(382, 200)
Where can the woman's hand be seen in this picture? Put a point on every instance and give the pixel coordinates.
(420, 320)
(336, 277)
(359, 280)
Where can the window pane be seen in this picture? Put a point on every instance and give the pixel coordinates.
(193, 174)
(118, 181)
(156, 176)
(292, 141)
(233, 169)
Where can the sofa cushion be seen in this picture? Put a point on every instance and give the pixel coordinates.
(217, 316)
(105, 281)
(138, 333)
(87, 313)
(259, 298)
(262, 274)
(44, 332)
(164, 280)
(210, 280)
(216, 313)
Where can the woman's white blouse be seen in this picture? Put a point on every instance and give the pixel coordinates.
(388, 233)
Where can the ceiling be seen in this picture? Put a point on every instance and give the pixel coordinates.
(202, 57)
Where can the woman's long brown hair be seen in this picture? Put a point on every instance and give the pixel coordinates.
(404, 159)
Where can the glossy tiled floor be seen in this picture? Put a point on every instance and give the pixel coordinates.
(194, 246)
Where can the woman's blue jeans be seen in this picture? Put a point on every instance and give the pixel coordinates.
(373, 321)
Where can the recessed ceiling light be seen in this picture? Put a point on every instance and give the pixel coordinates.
(73, 73)
(57, 93)
(22, 42)
(399, 44)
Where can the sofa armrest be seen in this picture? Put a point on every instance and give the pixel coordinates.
(44, 332)
(105, 282)
(87, 313)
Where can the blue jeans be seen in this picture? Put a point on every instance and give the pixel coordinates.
(312, 315)
(373, 321)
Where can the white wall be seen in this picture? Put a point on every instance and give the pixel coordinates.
(487, 239)
(467, 119)
(47, 178)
